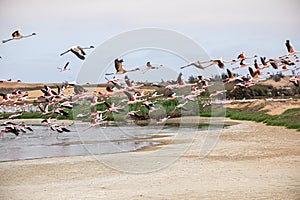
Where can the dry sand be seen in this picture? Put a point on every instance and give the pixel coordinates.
(250, 161)
(272, 107)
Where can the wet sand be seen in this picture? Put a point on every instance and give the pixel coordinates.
(250, 160)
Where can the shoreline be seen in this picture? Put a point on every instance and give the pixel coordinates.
(250, 160)
(185, 120)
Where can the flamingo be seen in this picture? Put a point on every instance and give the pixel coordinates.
(285, 68)
(273, 63)
(113, 108)
(242, 64)
(67, 104)
(155, 95)
(173, 96)
(264, 62)
(150, 66)
(135, 116)
(205, 84)
(99, 119)
(132, 99)
(113, 80)
(16, 93)
(48, 92)
(197, 64)
(130, 85)
(59, 129)
(257, 67)
(5, 97)
(62, 69)
(290, 48)
(47, 121)
(10, 129)
(95, 101)
(232, 78)
(61, 112)
(243, 85)
(78, 51)
(179, 83)
(254, 74)
(17, 36)
(119, 68)
(114, 87)
(220, 62)
(196, 90)
(23, 98)
(242, 56)
(44, 109)
(149, 105)
(23, 127)
(181, 106)
(294, 80)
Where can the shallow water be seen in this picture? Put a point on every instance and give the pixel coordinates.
(44, 143)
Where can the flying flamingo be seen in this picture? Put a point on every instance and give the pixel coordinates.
(59, 129)
(132, 98)
(6, 97)
(273, 63)
(294, 80)
(47, 121)
(78, 51)
(243, 85)
(95, 101)
(64, 68)
(290, 48)
(44, 109)
(242, 64)
(173, 96)
(181, 106)
(98, 120)
(23, 127)
(257, 67)
(113, 108)
(264, 62)
(197, 64)
(242, 56)
(130, 85)
(254, 74)
(150, 66)
(17, 36)
(67, 104)
(220, 62)
(61, 112)
(155, 95)
(10, 128)
(232, 78)
(119, 68)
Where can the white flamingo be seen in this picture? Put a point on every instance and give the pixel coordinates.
(119, 68)
(17, 36)
(78, 51)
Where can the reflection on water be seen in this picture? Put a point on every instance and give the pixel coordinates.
(43, 143)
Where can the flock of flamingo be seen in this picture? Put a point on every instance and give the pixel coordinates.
(138, 104)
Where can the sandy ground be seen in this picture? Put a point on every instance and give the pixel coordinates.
(272, 107)
(250, 161)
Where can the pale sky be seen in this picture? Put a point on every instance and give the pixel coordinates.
(222, 28)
